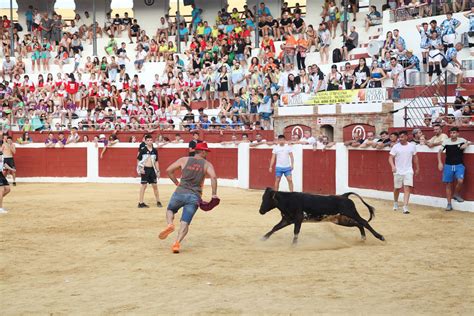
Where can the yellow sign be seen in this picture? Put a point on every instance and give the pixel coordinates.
(334, 97)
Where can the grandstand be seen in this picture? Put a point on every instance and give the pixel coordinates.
(164, 95)
(79, 99)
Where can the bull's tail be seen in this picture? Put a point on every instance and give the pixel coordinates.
(370, 207)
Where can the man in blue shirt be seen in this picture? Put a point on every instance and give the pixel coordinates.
(29, 18)
(263, 10)
(412, 65)
(183, 33)
(424, 43)
(448, 30)
(398, 39)
(204, 122)
(373, 18)
(196, 15)
(454, 66)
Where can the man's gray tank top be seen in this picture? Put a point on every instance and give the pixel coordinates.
(192, 177)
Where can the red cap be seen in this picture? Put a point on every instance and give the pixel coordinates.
(207, 206)
(202, 146)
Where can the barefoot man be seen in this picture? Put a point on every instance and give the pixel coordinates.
(9, 149)
(4, 187)
(189, 190)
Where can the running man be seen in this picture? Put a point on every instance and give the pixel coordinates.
(402, 156)
(149, 169)
(9, 149)
(454, 166)
(283, 154)
(4, 186)
(188, 192)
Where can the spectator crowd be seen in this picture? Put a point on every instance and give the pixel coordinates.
(217, 68)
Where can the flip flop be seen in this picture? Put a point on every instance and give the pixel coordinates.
(168, 230)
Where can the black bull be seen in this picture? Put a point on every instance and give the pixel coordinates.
(298, 207)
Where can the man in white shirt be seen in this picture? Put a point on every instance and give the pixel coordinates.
(7, 68)
(140, 58)
(401, 159)
(283, 81)
(121, 57)
(259, 140)
(398, 75)
(283, 154)
(307, 139)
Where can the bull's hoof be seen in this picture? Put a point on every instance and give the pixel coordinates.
(362, 238)
(382, 238)
(264, 238)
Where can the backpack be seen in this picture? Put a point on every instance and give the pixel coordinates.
(336, 55)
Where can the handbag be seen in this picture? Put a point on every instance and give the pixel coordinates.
(444, 62)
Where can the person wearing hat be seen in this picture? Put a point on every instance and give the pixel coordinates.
(188, 192)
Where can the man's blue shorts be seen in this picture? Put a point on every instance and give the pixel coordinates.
(450, 172)
(188, 201)
(283, 171)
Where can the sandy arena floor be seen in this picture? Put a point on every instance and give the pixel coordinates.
(87, 249)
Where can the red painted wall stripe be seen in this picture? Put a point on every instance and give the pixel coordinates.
(122, 162)
(371, 170)
(225, 162)
(319, 171)
(259, 177)
(51, 162)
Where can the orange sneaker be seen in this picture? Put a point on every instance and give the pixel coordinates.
(168, 230)
(176, 247)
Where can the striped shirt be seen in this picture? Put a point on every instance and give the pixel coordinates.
(437, 29)
(413, 60)
(400, 40)
(435, 43)
(450, 54)
(449, 26)
(424, 39)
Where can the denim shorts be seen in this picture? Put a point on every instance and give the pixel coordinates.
(188, 201)
(283, 171)
(451, 172)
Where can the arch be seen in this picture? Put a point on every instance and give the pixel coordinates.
(357, 128)
(295, 129)
(328, 130)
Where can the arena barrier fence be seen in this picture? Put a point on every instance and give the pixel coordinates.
(332, 171)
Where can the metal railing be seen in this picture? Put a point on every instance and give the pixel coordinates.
(437, 7)
(422, 107)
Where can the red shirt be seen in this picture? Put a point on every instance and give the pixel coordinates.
(203, 45)
(72, 87)
(6, 24)
(30, 85)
